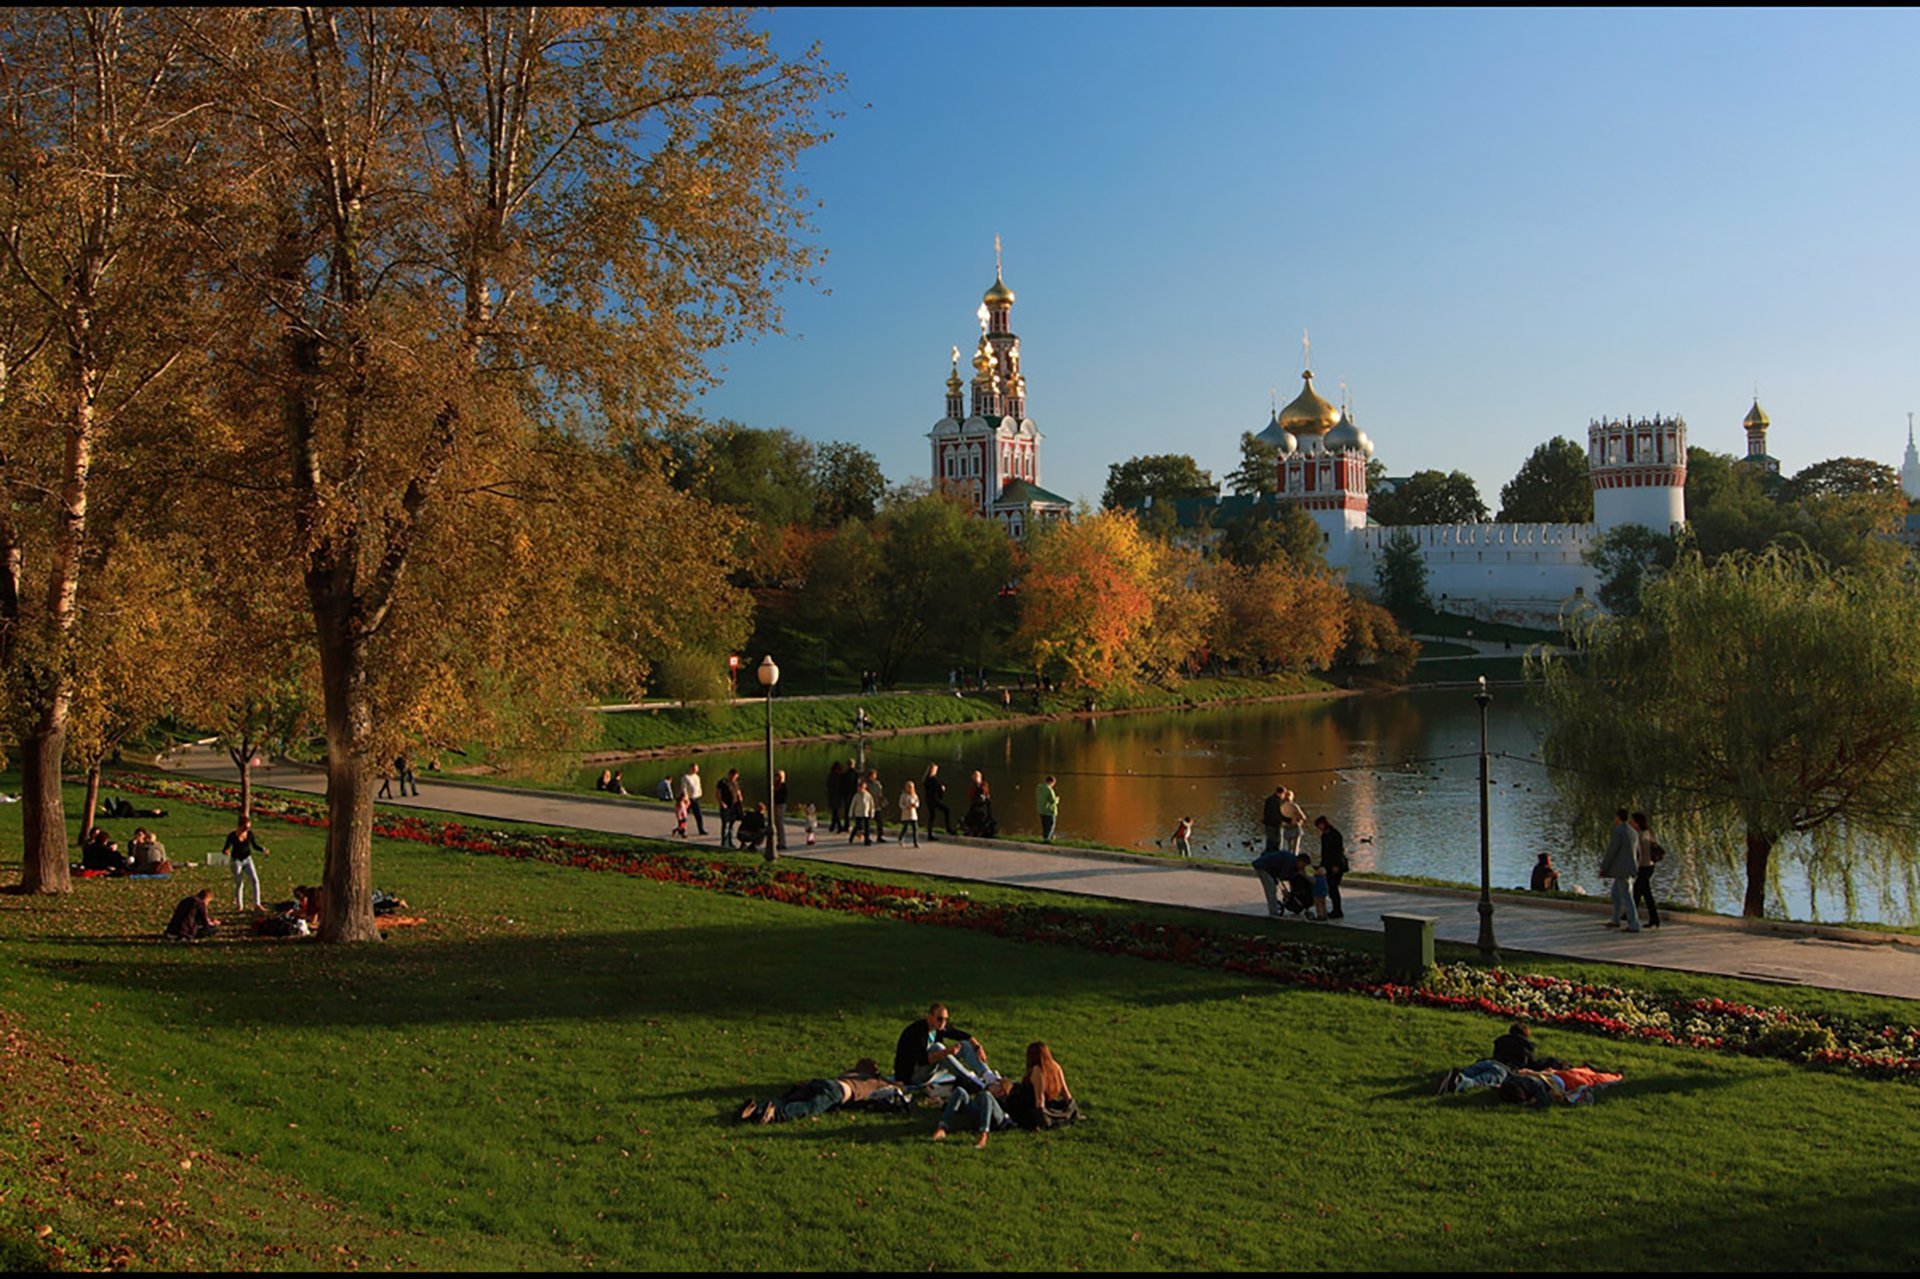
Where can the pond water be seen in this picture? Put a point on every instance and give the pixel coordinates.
(1397, 772)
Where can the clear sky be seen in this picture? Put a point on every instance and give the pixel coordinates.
(1497, 225)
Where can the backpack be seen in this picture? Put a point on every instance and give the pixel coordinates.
(1056, 1114)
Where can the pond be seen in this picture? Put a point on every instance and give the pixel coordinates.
(1397, 772)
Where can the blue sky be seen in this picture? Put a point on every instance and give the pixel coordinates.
(1497, 225)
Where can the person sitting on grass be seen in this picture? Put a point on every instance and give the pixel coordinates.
(190, 920)
(98, 851)
(1515, 1050)
(818, 1096)
(1040, 1098)
(149, 854)
(1546, 876)
(918, 1055)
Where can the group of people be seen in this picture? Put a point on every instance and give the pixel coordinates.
(932, 1054)
(145, 854)
(1294, 883)
(403, 773)
(1518, 1073)
(1631, 856)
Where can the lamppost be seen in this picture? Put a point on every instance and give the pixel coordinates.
(1489, 951)
(769, 675)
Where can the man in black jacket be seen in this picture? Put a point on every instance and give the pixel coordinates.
(933, 793)
(1271, 815)
(1333, 860)
(919, 1053)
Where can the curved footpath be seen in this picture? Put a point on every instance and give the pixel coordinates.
(1795, 954)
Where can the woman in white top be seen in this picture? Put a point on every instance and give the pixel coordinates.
(909, 814)
(860, 815)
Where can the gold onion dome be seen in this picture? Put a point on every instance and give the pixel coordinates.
(1309, 414)
(1756, 416)
(999, 294)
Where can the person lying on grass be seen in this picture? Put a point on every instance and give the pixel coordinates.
(190, 920)
(1521, 1076)
(817, 1096)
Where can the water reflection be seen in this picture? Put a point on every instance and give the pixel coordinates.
(1397, 772)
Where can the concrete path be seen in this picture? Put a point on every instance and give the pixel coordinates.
(1796, 954)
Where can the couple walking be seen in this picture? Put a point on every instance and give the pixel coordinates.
(1632, 854)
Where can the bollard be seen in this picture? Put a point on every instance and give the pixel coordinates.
(1409, 946)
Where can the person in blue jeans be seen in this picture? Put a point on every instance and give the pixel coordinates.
(978, 1108)
(818, 1096)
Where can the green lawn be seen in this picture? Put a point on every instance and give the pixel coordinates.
(541, 1077)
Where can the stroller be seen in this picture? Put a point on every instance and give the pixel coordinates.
(979, 822)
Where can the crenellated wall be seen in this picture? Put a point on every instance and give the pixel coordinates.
(1510, 571)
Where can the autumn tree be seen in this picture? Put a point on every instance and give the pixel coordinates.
(1373, 638)
(482, 235)
(1164, 477)
(1551, 487)
(1430, 497)
(99, 110)
(1749, 699)
(1276, 615)
(1101, 602)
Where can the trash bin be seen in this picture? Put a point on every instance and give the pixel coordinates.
(1409, 946)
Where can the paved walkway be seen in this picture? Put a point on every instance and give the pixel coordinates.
(1792, 954)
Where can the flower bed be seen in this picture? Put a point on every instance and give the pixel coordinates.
(1888, 1051)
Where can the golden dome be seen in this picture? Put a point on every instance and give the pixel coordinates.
(1756, 416)
(999, 294)
(1308, 414)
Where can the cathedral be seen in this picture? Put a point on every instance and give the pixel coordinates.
(986, 452)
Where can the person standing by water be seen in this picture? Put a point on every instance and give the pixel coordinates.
(1646, 854)
(935, 792)
(1293, 823)
(1183, 837)
(1333, 862)
(780, 811)
(836, 801)
(1048, 801)
(690, 791)
(860, 815)
(727, 795)
(879, 797)
(1270, 817)
(1620, 865)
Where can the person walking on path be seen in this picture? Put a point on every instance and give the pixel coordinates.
(1333, 861)
(403, 769)
(909, 814)
(836, 800)
(780, 811)
(1646, 853)
(727, 795)
(690, 791)
(879, 797)
(860, 815)
(935, 792)
(1270, 817)
(240, 847)
(1620, 865)
(1048, 800)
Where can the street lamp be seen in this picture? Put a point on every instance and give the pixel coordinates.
(769, 675)
(1489, 951)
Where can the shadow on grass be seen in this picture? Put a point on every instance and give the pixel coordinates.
(801, 971)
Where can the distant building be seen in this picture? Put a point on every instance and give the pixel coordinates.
(1910, 467)
(1757, 456)
(989, 457)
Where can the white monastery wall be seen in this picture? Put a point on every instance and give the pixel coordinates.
(1506, 572)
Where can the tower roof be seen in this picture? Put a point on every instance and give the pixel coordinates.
(1308, 414)
(999, 294)
(1756, 416)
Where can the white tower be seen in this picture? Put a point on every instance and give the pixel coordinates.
(1639, 472)
(1910, 467)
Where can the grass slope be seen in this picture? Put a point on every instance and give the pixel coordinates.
(541, 1077)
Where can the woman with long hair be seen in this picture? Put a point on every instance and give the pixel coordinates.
(1040, 1097)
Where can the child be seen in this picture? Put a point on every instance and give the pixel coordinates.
(1183, 837)
(1320, 890)
(680, 805)
(810, 824)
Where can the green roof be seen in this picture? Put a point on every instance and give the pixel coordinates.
(1023, 493)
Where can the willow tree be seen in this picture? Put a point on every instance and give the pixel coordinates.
(1748, 700)
(471, 237)
(97, 108)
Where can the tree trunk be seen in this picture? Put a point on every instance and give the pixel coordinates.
(348, 876)
(43, 867)
(1759, 848)
(93, 796)
(243, 760)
